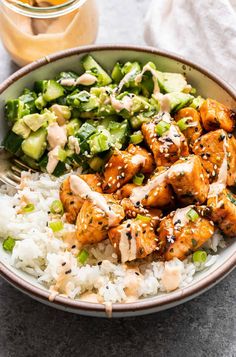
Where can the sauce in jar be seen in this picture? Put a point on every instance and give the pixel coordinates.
(31, 29)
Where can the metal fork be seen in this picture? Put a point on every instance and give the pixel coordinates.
(11, 168)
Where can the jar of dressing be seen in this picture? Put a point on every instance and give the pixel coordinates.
(31, 29)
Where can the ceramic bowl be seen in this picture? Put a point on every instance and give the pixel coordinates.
(207, 85)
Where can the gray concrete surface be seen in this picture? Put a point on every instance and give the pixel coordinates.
(203, 327)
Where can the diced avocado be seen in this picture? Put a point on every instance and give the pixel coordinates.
(14, 109)
(73, 126)
(100, 142)
(85, 131)
(179, 100)
(116, 73)
(94, 68)
(35, 121)
(197, 102)
(40, 102)
(35, 145)
(52, 90)
(12, 142)
(20, 128)
(171, 82)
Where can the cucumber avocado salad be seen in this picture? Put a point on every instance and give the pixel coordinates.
(79, 120)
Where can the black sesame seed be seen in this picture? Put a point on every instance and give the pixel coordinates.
(63, 264)
(68, 271)
(73, 246)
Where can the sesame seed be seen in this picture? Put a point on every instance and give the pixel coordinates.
(118, 185)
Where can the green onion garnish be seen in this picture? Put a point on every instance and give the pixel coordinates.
(199, 256)
(62, 155)
(28, 208)
(143, 218)
(192, 215)
(182, 123)
(56, 226)
(162, 127)
(82, 256)
(57, 207)
(136, 137)
(8, 244)
(138, 179)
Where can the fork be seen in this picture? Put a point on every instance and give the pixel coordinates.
(11, 168)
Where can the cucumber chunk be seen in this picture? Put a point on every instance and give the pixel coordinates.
(35, 145)
(171, 82)
(12, 142)
(94, 68)
(52, 90)
(85, 131)
(14, 109)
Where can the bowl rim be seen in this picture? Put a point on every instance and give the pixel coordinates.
(153, 302)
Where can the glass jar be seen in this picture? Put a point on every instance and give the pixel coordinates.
(30, 32)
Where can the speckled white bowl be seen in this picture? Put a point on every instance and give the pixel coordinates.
(207, 85)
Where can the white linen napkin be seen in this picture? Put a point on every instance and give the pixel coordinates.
(203, 31)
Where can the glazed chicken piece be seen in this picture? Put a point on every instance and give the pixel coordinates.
(168, 147)
(189, 180)
(93, 222)
(155, 193)
(191, 118)
(215, 115)
(223, 211)
(133, 239)
(73, 203)
(124, 165)
(182, 232)
(131, 211)
(217, 151)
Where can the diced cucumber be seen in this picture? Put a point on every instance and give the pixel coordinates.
(100, 142)
(39, 86)
(130, 70)
(52, 90)
(40, 102)
(84, 101)
(14, 109)
(12, 142)
(92, 66)
(60, 169)
(171, 82)
(116, 73)
(20, 128)
(30, 162)
(85, 131)
(35, 121)
(119, 132)
(179, 100)
(73, 126)
(28, 98)
(35, 145)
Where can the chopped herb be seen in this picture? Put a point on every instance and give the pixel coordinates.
(194, 242)
(8, 244)
(192, 215)
(56, 226)
(231, 198)
(162, 127)
(143, 218)
(28, 208)
(57, 207)
(199, 256)
(83, 256)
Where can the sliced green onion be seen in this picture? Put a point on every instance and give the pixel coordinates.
(136, 137)
(199, 256)
(8, 244)
(192, 215)
(57, 207)
(182, 123)
(162, 127)
(62, 154)
(138, 179)
(56, 226)
(28, 208)
(143, 218)
(82, 256)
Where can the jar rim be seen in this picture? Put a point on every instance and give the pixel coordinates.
(43, 12)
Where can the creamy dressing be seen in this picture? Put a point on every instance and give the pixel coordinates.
(73, 144)
(154, 73)
(85, 79)
(173, 135)
(181, 167)
(56, 135)
(52, 159)
(126, 79)
(217, 187)
(180, 218)
(138, 160)
(127, 246)
(139, 193)
(164, 101)
(81, 188)
(57, 110)
(118, 105)
(171, 277)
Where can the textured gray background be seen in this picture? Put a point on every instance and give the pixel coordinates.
(203, 327)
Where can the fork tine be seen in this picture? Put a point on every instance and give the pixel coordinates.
(22, 165)
(8, 181)
(13, 177)
(16, 170)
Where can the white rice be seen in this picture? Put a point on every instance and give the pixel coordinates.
(43, 254)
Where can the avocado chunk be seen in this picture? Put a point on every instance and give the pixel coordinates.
(35, 121)
(171, 82)
(35, 145)
(20, 128)
(92, 67)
